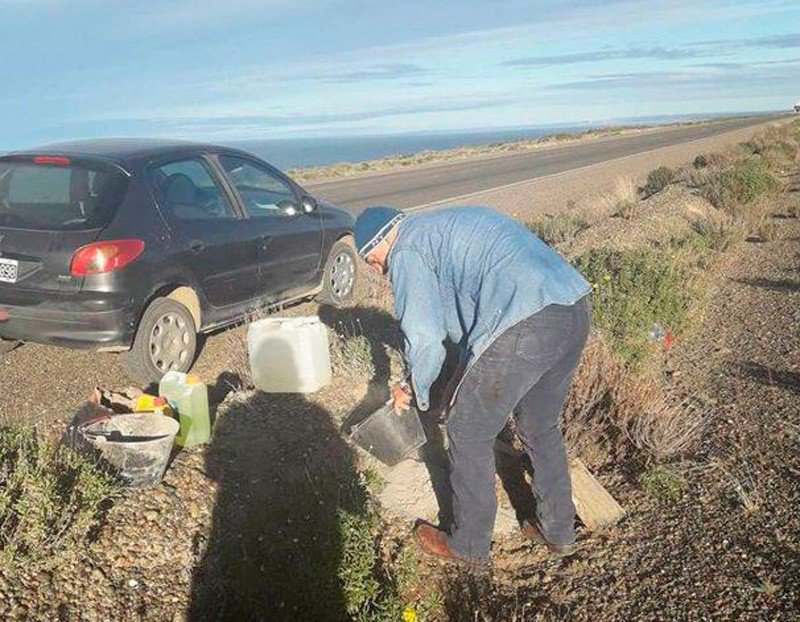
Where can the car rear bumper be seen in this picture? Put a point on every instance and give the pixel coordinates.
(70, 325)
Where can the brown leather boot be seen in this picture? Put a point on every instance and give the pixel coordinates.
(532, 532)
(433, 542)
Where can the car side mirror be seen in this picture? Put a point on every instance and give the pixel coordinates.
(289, 208)
(309, 204)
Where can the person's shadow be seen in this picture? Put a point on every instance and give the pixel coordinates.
(286, 484)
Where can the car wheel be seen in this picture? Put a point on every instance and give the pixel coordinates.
(6, 345)
(341, 270)
(166, 340)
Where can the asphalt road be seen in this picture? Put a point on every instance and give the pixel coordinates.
(431, 184)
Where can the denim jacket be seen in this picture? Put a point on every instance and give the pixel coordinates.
(468, 274)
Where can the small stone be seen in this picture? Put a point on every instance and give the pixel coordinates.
(133, 583)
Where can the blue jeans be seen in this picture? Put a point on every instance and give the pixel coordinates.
(526, 372)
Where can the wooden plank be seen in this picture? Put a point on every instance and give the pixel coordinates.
(595, 506)
(593, 503)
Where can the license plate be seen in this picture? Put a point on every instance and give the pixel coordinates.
(9, 270)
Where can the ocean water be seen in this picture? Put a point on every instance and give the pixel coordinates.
(298, 152)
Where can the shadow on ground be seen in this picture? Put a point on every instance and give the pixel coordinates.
(780, 285)
(286, 484)
(767, 375)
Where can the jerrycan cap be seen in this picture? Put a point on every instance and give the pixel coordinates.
(193, 379)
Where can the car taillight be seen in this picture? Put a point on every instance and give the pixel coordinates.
(52, 160)
(105, 256)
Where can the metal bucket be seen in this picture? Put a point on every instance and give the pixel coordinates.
(388, 436)
(136, 446)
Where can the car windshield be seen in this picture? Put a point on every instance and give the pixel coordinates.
(57, 194)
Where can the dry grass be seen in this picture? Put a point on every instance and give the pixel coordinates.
(622, 199)
(587, 423)
(609, 410)
(666, 429)
(555, 229)
(741, 484)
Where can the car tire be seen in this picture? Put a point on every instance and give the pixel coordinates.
(166, 340)
(341, 272)
(6, 345)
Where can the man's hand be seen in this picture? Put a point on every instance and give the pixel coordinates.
(401, 397)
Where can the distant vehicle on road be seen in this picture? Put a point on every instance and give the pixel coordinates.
(140, 245)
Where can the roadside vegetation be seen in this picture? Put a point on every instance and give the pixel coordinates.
(649, 294)
(51, 498)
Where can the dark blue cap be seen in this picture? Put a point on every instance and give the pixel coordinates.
(373, 225)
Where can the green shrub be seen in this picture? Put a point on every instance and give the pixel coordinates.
(658, 179)
(50, 497)
(351, 353)
(700, 161)
(752, 146)
(357, 567)
(632, 291)
(558, 228)
(730, 188)
(663, 484)
(716, 236)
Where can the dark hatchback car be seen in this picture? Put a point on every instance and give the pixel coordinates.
(139, 245)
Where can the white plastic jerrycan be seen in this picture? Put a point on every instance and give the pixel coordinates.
(289, 355)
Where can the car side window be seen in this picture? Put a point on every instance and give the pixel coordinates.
(261, 190)
(188, 191)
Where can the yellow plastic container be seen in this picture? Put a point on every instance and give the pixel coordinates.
(153, 404)
(188, 397)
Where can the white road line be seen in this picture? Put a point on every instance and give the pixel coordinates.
(459, 197)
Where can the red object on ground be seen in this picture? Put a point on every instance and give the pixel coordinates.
(3, 315)
(669, 339)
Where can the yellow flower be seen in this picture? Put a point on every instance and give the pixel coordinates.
(409, 615)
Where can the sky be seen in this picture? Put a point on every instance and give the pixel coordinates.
(247, 69)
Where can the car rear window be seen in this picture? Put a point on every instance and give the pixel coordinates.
(58, 194)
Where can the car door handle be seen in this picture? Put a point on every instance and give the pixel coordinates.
(196, 246)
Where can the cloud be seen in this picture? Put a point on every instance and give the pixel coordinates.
(696, 49)
(754, 80)
(237, 125)
(791, 40)
(654, 52)
(389, 71)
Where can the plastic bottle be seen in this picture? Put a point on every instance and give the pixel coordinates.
(188, 397)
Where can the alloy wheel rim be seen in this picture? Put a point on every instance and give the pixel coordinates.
(342, 274)
(170, 342)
